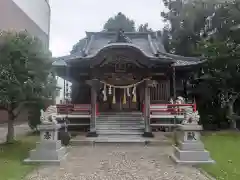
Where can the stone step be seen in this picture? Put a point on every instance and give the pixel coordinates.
(119, 132)
(119, 128)
(120, 113)
(119, 119)
(129, 126)
(123, 136)
(120, 122)
(120, 140)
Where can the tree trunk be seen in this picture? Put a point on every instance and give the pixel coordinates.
(230, 112)
(10, 133)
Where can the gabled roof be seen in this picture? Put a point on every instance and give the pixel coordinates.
(148, 43)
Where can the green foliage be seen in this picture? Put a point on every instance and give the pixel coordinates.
(144, 28)
(205, 28)
(187, 21)
(25, 74)
(25, 68)
(224, 149)
(12, 156)
(78, 47)
(120, 21)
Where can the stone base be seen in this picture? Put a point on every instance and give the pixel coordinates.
(178, 161)
(191, 156)
(190, 127)
(48, 152)
(148, 134)
(45, 162)
(92, 134)
(191, 146)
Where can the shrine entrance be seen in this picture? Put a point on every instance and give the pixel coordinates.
(121, 81)
(122, 103)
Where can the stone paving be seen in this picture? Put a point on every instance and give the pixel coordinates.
(112, 162)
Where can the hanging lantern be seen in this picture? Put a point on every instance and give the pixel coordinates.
(105, 92)
(124, 97)
(114, 97)
(134, 94)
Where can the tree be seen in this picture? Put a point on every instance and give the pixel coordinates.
(25, 74)
(79, 46)
(144, 28)
(120, 21)
(205, 28)
(221, 47)
(187, 20)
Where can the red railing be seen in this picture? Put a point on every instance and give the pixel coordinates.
(169, 108)
(75, 108)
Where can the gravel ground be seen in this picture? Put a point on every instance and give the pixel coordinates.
(112, 162)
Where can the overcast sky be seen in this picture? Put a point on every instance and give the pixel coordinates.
(71, 18)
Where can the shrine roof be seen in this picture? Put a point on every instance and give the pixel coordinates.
(148, 43)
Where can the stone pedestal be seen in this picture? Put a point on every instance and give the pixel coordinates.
(189, 148)
(49, 150)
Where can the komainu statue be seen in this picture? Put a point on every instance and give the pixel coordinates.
(50, 115)
(190, 117)
(180, 100)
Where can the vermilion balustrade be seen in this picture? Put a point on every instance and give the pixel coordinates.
(154, 108)
(169, 108)
(75, 108)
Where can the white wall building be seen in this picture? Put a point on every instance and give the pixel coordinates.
(30, 15)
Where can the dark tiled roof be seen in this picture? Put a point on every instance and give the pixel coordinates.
(148, 43)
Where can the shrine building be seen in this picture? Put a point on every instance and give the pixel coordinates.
(122, 83)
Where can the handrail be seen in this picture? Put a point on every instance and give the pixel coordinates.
(170, 106)
(83, 108)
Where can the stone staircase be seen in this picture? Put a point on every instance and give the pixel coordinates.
(120, 123)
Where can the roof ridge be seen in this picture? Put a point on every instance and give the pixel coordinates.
(89, 33)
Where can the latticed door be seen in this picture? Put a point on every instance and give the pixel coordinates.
(160, 93)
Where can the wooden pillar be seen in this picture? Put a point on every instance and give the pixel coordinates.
(174, 82)
(93, 132)
(64, 90)
(147, 129)
(185, 89)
